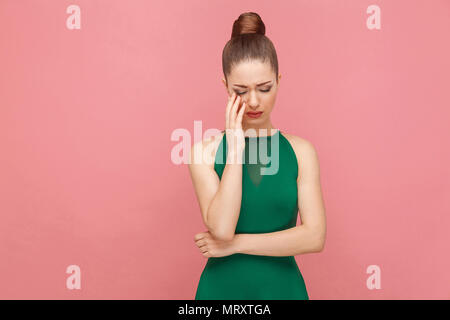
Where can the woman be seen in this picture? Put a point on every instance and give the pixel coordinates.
(252, 236)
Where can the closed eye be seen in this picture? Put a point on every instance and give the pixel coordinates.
(259, 90)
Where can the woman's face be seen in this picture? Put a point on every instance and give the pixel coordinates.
(257, 85)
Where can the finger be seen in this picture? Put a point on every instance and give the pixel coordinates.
(227, 112)
(241, 115)
(230, 111)
(199, 236)
(238, 112)
(233, 112)
(203, 249)
(200, 242)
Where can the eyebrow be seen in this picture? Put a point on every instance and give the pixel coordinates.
(260, 84)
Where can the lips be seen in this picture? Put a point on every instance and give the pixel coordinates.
(254, 114)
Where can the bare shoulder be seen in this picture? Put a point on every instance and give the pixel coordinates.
(205, 150)
(306, 153)
(300, 145)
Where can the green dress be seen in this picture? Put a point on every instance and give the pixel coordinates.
(269, 203)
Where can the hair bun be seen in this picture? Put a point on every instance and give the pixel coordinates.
(248, 22)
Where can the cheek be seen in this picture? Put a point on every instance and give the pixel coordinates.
(269, 100)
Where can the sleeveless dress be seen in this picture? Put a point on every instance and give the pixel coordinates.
(269, 203)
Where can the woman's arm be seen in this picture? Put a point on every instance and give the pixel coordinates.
(220, 200)
(310, 235)
(305, 238)
(289, 242)
(223, 212)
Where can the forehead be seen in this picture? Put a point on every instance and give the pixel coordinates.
(251, 72)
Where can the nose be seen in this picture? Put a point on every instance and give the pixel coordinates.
(252, 100)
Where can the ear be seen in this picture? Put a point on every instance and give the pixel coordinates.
(279, 78)
(225, 84)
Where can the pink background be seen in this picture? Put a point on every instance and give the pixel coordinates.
(86, 118)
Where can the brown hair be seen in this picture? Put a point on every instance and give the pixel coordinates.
(248, 41)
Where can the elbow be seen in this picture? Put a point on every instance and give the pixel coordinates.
(319, 243)
(223, 235)
(220, 233)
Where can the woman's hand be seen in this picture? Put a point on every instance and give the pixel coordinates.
(233, 126)
(210, 247)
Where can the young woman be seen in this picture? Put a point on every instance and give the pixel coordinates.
(252, 236)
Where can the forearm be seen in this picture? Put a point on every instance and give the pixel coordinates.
(223, 212)
(290, 242)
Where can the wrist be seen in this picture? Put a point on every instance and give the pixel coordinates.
(235, 157)
(237, 245)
